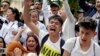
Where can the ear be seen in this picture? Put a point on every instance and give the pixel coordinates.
(95, 33)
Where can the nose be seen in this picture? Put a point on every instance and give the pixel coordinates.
(83, 36)
(53, 23)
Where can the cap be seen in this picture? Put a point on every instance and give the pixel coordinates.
(54, 4)
(80, 11)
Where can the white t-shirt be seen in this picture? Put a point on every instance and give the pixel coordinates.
(77, 51)
(97, 20)
(6, 31)
(49, 48)
(68, 29)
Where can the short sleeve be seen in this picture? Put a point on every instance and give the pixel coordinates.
(97, 49)
(41, 35)
(69, 44)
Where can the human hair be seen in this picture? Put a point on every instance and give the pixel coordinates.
(6, 2)
(37, 49)
(34, 10)
(4, 44)
(88, 23)
(56, 17)
(11, 47)
(38, 2)
(15, 11)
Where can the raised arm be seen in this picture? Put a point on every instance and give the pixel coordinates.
(69, 23)
(17, 37)
(26, 17)
(67, 9)
(45, 10)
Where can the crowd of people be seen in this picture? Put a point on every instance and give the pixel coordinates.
(49, 30)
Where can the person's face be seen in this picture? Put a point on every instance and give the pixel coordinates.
(1, 43)
(37, 5)
(5, 6)
(98, 5)
(31, 44)
(10, 15)
(80, 16)
(34, 16)
(54, 10)
(54, 26)
(86, 35)
(62, 13)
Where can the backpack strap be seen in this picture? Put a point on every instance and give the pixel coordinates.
(61, 44)
(0, 26)
(44, 40)
(20, 24)
(94, 50)
(74, 44)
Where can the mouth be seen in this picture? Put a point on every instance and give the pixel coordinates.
(83, 40)
(98, 6)
(31, 46)
(52, 29)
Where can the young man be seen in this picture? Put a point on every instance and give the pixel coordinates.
(49, 10)
(52, 46)
(83, 45)
(94, 12)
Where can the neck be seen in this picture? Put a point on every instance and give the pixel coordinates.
(32, 51)
(54, 38)
(85, 45)
(12, 20)
(35, 23)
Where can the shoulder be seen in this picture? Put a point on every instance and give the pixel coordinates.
(41, 24)
(71, 40)
(69, 44)
(97, 49)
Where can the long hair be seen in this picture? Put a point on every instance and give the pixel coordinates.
(15, 11)
(12, 45)
(36, 39)
(4, 44)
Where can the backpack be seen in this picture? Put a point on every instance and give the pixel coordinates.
(61, 43)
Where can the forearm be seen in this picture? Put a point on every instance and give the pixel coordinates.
(33, 27)
(46, 12)
(26, 15)
(67, 9)
(17, 37)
